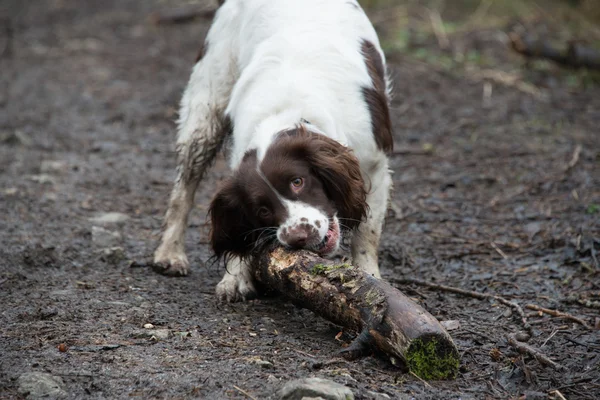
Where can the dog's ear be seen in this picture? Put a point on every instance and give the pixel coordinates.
(339, 170)
(230, 227)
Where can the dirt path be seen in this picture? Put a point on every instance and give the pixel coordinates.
(498, 194)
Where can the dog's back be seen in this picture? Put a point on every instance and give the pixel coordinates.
(300, 59)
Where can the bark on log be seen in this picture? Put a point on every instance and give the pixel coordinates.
(385, 318)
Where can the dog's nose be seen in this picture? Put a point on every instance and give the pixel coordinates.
(297, 238)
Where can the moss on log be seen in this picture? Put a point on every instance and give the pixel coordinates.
(384, 318)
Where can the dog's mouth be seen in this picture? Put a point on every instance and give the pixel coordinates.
(331, 240)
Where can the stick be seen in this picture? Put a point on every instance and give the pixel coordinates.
(181, 14)
(387, 319)
(470, 293)
(559, 314)
(242, 391)
(575, 55)
(525, 348)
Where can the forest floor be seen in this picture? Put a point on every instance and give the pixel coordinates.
(496, 190)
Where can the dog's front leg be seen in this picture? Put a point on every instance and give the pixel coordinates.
(237, 283)
(365, 241)
(203, 126)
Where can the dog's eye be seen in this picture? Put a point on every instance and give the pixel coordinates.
(263, 213)
(297, 184)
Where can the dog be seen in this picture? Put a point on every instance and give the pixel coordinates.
(297, 93)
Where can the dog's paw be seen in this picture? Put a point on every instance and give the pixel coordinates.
(171, 265)
(234, 288)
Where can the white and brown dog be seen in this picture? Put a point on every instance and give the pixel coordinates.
(297, 91)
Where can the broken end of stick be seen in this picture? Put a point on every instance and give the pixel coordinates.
(433, 357)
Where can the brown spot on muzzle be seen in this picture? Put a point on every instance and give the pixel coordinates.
(300, 236)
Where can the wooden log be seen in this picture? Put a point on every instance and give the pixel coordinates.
(575, 55)
(384, 318)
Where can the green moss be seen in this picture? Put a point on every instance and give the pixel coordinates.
(322, 269)
(429, 360)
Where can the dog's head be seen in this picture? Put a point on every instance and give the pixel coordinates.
(304, 193)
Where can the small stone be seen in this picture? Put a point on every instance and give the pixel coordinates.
(272, 379)
(315, 387)
(148, 326)
(105, 238)
(35, 385)
(522, 336)
(16, 138)
(11, 191)
(109, 218)
(379, 396)
(450, 325)
(113, 255)
(49, 166)
(43, 179)
(155, 334)
(263, 363)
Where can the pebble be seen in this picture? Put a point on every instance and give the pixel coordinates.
(523, 336)
(315, 388)
(148, 326)
(105, 238)
(43, 179)
(109, 218)
(156, 334)
(17, 138)
(113, 255)
(379, 396)
(263, 363)
(450, 325)
(49, 166)
(37, 385)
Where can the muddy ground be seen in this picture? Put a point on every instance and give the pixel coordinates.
(497, 190)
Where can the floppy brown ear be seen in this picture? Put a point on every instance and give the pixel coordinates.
(230, 227)
(339, 170)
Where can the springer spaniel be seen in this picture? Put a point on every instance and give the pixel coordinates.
(297, 92)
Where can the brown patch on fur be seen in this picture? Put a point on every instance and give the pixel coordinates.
(241, 207)
(334, 166)
(377, 98)
(245, 205)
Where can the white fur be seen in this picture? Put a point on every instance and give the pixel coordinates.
(269, 65)
(298, 212)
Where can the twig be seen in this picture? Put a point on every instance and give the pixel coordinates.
(557, 394)
(499, 251)
(554, 332)
(470, 293)
(574, 159)
(525, 348)
(556, 176)
(594, 258)
(559, 314)
(181, 14)
(510, 80)
(438, 28)
(421, 379)
(242, 391)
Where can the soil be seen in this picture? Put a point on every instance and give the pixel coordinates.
(497, 190)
